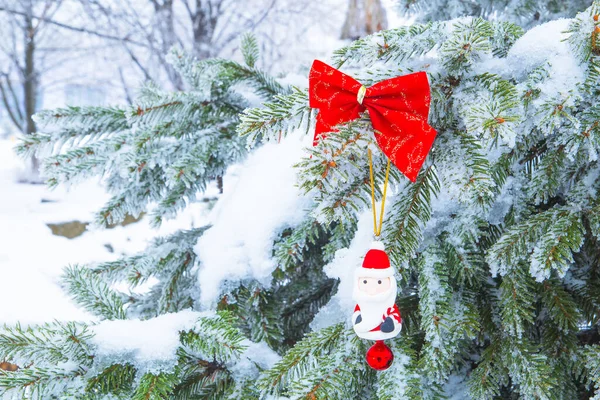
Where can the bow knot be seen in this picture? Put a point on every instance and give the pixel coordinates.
(398, 108)
(360, 96)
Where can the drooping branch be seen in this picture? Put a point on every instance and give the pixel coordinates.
(9, 108)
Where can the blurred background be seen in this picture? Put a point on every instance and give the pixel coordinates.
(82, 52)
(57, 53)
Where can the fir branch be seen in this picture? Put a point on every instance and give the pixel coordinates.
(468, 42)
(548, 238)
(529, 369)
(90, 118)
(591, 355)
(249, 48)
(582, 33)
(337, 172)
(215, 338)
(498, 111)
(115, 379)
(36, 382)
(548, 176)
(489, 376)
(410, 211)
(517, 295)
(283, 113)
(261, 317)
(395, 45)
(298, 360)
(439, 350)
(202, 379)
(466, 262)
(476, 183)
(91, 293)
(560, 305)
(505, 35)
(54, 343)
(155, 387)
(402, 381)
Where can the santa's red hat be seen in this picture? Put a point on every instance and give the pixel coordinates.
(376, 263)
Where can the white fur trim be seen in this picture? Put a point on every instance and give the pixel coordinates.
(377, 245)
(378, 335)
(375, 273)
(373, 307)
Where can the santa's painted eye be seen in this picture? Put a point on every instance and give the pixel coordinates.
(379, 282)
(365, 281)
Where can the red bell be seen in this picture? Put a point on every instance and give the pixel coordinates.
(379, 356)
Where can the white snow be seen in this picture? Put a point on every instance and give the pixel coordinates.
(543, 46)
(341, 305)
(32, 258)
(256, 355)
(151, 342)
(260, 199)
(546, 43)
(377, 245)
(456, 387)
(399, 374)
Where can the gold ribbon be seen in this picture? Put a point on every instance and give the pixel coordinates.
(376, 228)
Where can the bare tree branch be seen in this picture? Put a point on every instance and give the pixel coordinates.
(14, 98)
(137, 62)
(11, 51)
(188, 8)
(47, 6)
(9, 108)
(75, 28)
(250, 24)
(128, 96)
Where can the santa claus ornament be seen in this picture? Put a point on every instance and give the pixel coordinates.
(376, 316)
(398, 109)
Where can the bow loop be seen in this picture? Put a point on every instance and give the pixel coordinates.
(398, 108)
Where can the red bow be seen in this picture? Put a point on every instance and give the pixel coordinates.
(398, 108)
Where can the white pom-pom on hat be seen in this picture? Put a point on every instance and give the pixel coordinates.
(377, 245)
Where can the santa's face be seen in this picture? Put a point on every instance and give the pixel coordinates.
(373, 286)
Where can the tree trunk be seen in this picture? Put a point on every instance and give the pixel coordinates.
(166, 26)
(363, 18)
(204, 22)
(30, 87)
(30, 77)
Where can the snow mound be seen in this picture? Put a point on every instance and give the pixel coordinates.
(257, 356)
(262, 200)
(546, 44)
(150, 344)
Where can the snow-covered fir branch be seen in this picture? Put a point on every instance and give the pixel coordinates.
(527, 13)
(495, 245)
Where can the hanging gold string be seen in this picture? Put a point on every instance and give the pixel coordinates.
(377, 228)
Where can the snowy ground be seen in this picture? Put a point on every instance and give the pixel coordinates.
(32, 258)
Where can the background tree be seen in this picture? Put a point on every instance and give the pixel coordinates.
(157, 29)
(206, 28)
(22, 33)
(364, 17)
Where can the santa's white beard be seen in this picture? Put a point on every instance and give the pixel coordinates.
(374, 307)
